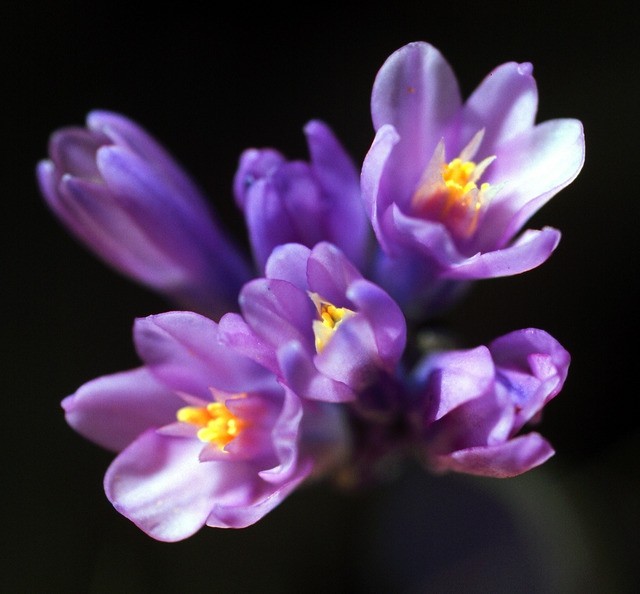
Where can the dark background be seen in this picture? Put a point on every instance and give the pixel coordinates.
(209, 86)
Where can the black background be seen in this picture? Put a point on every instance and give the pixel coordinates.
(209, 86)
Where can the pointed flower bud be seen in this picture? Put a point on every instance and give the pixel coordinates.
(475, 403)
(121, 194)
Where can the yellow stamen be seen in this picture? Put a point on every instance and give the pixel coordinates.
(330, 318)
(448, 192)
(218, 425)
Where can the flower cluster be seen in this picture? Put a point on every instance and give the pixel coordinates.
(304, 363)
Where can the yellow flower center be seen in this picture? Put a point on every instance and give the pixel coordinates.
(330, 318)
(218, 425)
(449, 192)
(459, 178)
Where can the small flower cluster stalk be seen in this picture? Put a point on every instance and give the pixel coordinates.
(312, 360)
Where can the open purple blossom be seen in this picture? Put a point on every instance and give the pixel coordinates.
(314, 321)
(297, 202)
(449, 185)
(120, 193)
(205, 436)
(474, 403)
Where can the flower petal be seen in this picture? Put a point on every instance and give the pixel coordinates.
(182, 349)
(301, 374)
(531, 168)
(533, 366)
(285, 436)
(429, 237)
(417, 92)
(100, 222)
(113, 410)
(500, 461)
(161, 486)
(351, 355)
(158, 208)
(241, 516)
(503, 105)
(531, 249)
(329, 273)
(289, 262)
(377, 193)
(124, 132)
(340, 181)
(254, 165)
(277, 311)
(385, 318)
(73, 150)
(236, 334)
(455, 377)
(268, 221)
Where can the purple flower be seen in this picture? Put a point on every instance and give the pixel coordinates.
(322, 328)
(448, 185)
(124, 197)
(296, 202)
(475, 402)
(205, 436)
